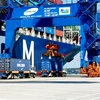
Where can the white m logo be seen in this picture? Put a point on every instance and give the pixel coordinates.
(29, 54)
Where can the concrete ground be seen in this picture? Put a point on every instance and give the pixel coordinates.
(72, 87)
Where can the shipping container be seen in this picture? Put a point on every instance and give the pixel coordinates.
(7, 64)
(59, 33)
(40, 29)
(46, 65)
(59, 28)
(56, 1)
(73, 28)
(49, 30)
(14, 65)
(19, 65)
(2, 64)
(9, 68)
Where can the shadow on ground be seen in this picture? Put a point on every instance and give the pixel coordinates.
(48, 82)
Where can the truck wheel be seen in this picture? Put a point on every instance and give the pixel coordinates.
(33, 75)
(27, 76)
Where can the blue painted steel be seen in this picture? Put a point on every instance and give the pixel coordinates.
(49, 30)
(44, 11)
(34, 3)
(88, 36)
(81, 13)
(40, 3)
(17, 1)
(39, 12)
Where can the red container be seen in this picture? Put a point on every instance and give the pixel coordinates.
(59, 33)
(56, 1)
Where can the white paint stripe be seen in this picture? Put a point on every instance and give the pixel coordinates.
(84, 96)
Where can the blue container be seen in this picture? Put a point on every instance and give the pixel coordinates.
(59, 28)
(46, 65)
(19, 65)
(40, 29)
(5, 56)
(49, 30)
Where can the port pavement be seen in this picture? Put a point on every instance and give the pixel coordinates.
(72, 87)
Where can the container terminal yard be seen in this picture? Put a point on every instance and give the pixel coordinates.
(72, 87)
(37, 38)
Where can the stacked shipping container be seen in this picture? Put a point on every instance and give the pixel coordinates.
(59, 31)
(49, 30)
(56, 1)
(41, 29)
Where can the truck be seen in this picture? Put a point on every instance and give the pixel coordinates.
(19, 68)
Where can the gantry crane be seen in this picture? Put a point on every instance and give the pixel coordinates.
(82, 13)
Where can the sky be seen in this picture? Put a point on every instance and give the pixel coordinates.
(75, 63)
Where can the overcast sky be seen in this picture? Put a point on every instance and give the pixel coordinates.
(75, 63)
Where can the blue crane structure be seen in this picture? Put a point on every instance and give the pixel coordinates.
(82, 13)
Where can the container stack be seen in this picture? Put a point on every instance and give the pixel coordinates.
(10, 65)
(59, 31)
(93, 70)
(4, 65)
(56, 1)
